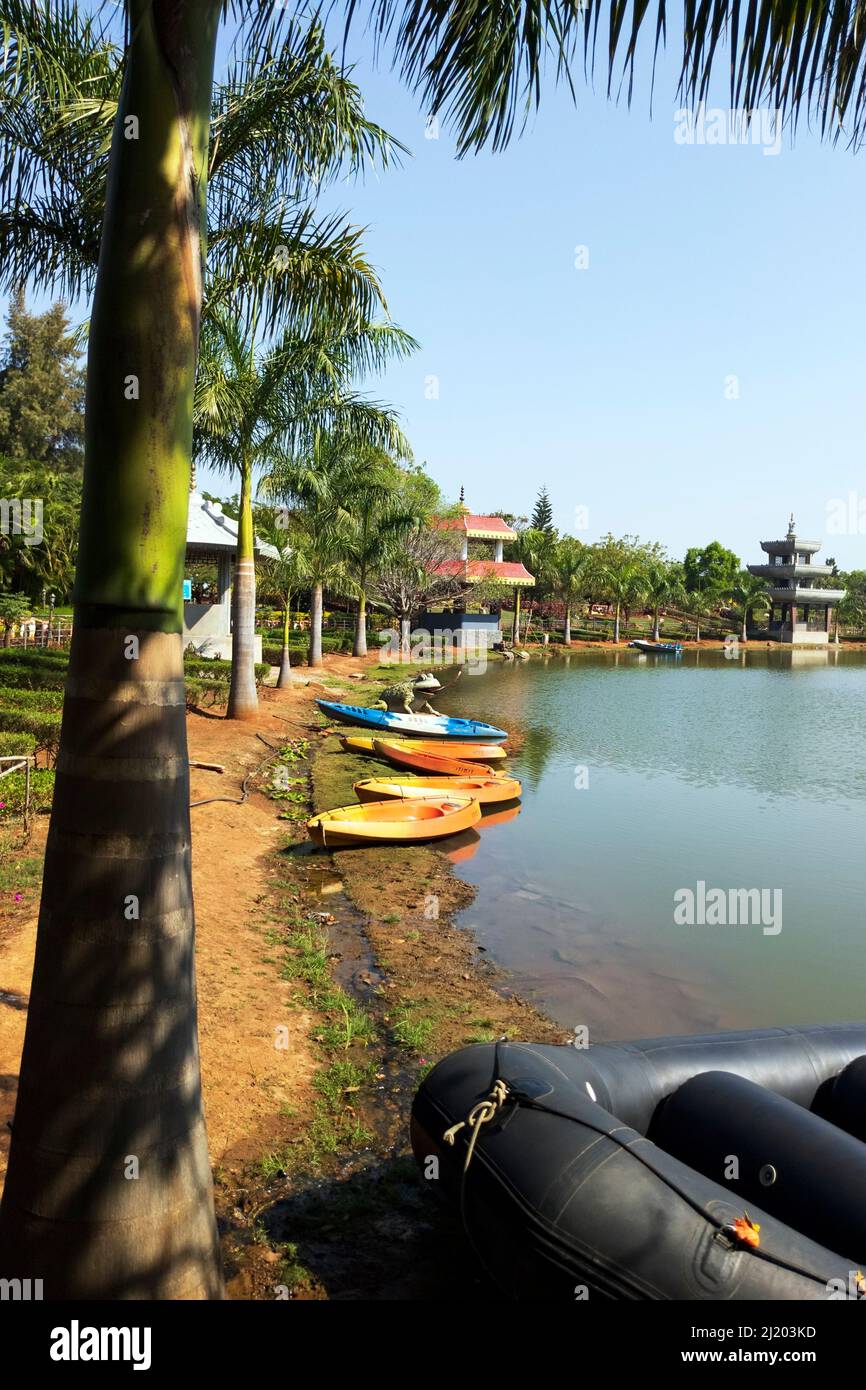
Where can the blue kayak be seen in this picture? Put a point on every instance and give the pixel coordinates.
(431, 725)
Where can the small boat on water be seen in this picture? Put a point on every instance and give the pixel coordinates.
(424, 725)
(487, 791)
(658, 648)
(387, 822)
(437, 764)
(452, 748)
(608, 1168)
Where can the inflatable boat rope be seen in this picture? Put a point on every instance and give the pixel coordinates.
(742, 1232)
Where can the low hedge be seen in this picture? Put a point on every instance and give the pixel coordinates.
(17, 745)
(43, 725)
(206, 693)
(13, 698)
(12, 792)
(211, 668)
(23, 676)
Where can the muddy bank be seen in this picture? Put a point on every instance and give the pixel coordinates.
(328, 983)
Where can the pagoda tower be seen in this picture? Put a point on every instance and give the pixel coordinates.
(805, 609)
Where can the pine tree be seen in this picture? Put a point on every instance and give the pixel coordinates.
(41, 387)
(542, 517)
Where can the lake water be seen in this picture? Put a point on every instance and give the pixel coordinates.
(643, 776)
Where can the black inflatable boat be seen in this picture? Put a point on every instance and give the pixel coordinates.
(728, 1166)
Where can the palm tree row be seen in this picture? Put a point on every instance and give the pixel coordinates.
(630, 576)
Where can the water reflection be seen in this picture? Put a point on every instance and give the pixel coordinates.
(741, 771)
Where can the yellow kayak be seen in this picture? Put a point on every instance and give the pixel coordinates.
(485, 790)
(469, 752)
(381, 822)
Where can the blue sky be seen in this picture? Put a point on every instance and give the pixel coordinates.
(701, 378)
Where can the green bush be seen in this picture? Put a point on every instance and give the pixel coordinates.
(210, 669)
(24, 676)
(12, 792)
(206, 693)
(44, 725)
(12, 698)
(12, 745)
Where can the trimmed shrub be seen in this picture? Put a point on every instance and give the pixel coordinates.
(44, 725)
(12, 792)
(11, 698)
(23, 676)
(17, 745)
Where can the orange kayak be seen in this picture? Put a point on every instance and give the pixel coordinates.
(380, 822)
(469, 752)
(484, 790)
(435, 763)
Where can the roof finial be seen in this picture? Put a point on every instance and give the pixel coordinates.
(192, 478)
(791, 525)
(463, 506)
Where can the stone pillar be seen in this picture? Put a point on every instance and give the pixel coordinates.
(827, 611)
(498, 553)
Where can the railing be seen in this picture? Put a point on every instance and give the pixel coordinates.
(19, 762)
(43, 632)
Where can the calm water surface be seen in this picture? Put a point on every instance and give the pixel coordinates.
(745, 773)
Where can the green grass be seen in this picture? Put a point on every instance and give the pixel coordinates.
(17, 874)
(411, 1029)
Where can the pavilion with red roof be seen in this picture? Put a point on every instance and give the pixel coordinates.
(476, 569)
(483, 528)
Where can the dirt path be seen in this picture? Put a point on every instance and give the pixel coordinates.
(308, 1139)
(247, 1081)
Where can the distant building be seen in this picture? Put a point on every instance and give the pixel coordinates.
(479, 569)
(800, 610)
(212, 539)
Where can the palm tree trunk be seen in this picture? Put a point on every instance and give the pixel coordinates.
(515, 625)
(284, 679)
(360, 646)
(108, 1193)
(567, 634)
(745, 623)
(656, 630)
(316, 626)
(243, 700)
(616, 624)
(698, 630)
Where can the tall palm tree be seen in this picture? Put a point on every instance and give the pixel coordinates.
(324, 490)
(571, 572)
(535, 549)
(382, 512)
(699, 604)
(621, 579)
(110, 1071)
(256, 410)
(283, 573)
(749, 593)
(661, 586)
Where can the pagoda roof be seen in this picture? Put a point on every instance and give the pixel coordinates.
(208, 529)
(485, 528)
(474, 571)
(789, 545)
